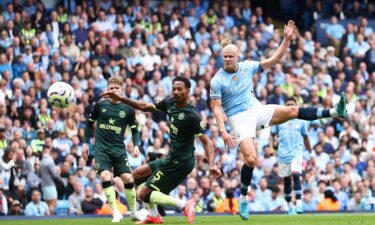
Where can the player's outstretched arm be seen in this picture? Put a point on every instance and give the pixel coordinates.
(219, 116)
(210, 153)
(289, 30)
(307, 143)
(143, 106)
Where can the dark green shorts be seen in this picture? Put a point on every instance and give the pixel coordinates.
(116, 158)
(167, 174)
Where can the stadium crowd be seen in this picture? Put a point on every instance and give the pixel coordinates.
(148, 43)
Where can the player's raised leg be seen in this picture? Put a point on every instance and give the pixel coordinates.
(140, 176)
(285, 113)
(154, 197)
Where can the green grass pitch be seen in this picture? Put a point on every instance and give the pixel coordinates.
(310, 219)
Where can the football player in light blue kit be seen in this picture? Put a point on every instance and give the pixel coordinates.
(232, 91)
(292, 138)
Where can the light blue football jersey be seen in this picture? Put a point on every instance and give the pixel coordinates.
(235, 89)
(291, 143)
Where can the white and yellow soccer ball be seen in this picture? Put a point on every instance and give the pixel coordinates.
(60, 94)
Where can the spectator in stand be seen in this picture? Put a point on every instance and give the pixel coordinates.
(90, 205)
(36, 207)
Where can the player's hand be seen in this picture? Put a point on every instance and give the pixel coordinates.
(85, 151)
(289, 29)
(229, 140)
(216, 173)
(135, 152)
(112, 95)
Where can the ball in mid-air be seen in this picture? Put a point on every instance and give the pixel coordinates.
(60, 94)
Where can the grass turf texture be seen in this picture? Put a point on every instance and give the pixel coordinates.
(310, 219)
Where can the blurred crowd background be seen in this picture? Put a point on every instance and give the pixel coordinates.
(148, 43)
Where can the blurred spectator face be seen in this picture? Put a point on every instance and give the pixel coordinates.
(88, 192)
(181, 190)
(77, 188)
(275, 193)
(102, 15)
(307, 196)
(65, 167)
(333, 20)
(35, 197)
(318, 149)
(91, 175)
(357, 196)
(263, 184)
(322, 186)
(98, 188)
(205, 183)
(336, 186)
(347, 168)
(196, 196)
(217, 191)
(191, 184)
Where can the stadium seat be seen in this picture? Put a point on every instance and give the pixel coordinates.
(62, 208)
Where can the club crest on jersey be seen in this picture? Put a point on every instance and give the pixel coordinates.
(181, 116)
(235, 78)
(122, 114)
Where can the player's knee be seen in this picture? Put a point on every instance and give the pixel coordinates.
(127, 178)
(250, 161)
(293, 111)
(105, 175)
(145, 194)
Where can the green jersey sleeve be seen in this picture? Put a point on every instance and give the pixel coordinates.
(198, 126)
(162, 105)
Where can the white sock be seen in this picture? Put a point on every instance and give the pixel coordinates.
(116, 211)
(299, 202)
(333, 112)
(152, 210)
(243, 197)
(180, 203)
(290, 204)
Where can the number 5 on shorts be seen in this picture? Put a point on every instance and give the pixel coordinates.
(158, 175)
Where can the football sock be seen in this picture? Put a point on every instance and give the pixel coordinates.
(131, 196)
(246, 176)
(152, 210)
(165, 200)
(312, 113)
(297, 186)
(110, 194)
(288, 189)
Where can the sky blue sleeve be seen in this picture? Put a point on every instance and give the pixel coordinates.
(215, 88)
(253, 67)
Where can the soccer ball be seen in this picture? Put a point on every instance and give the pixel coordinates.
(60, 94)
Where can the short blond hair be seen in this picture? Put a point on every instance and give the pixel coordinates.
(115, 80)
